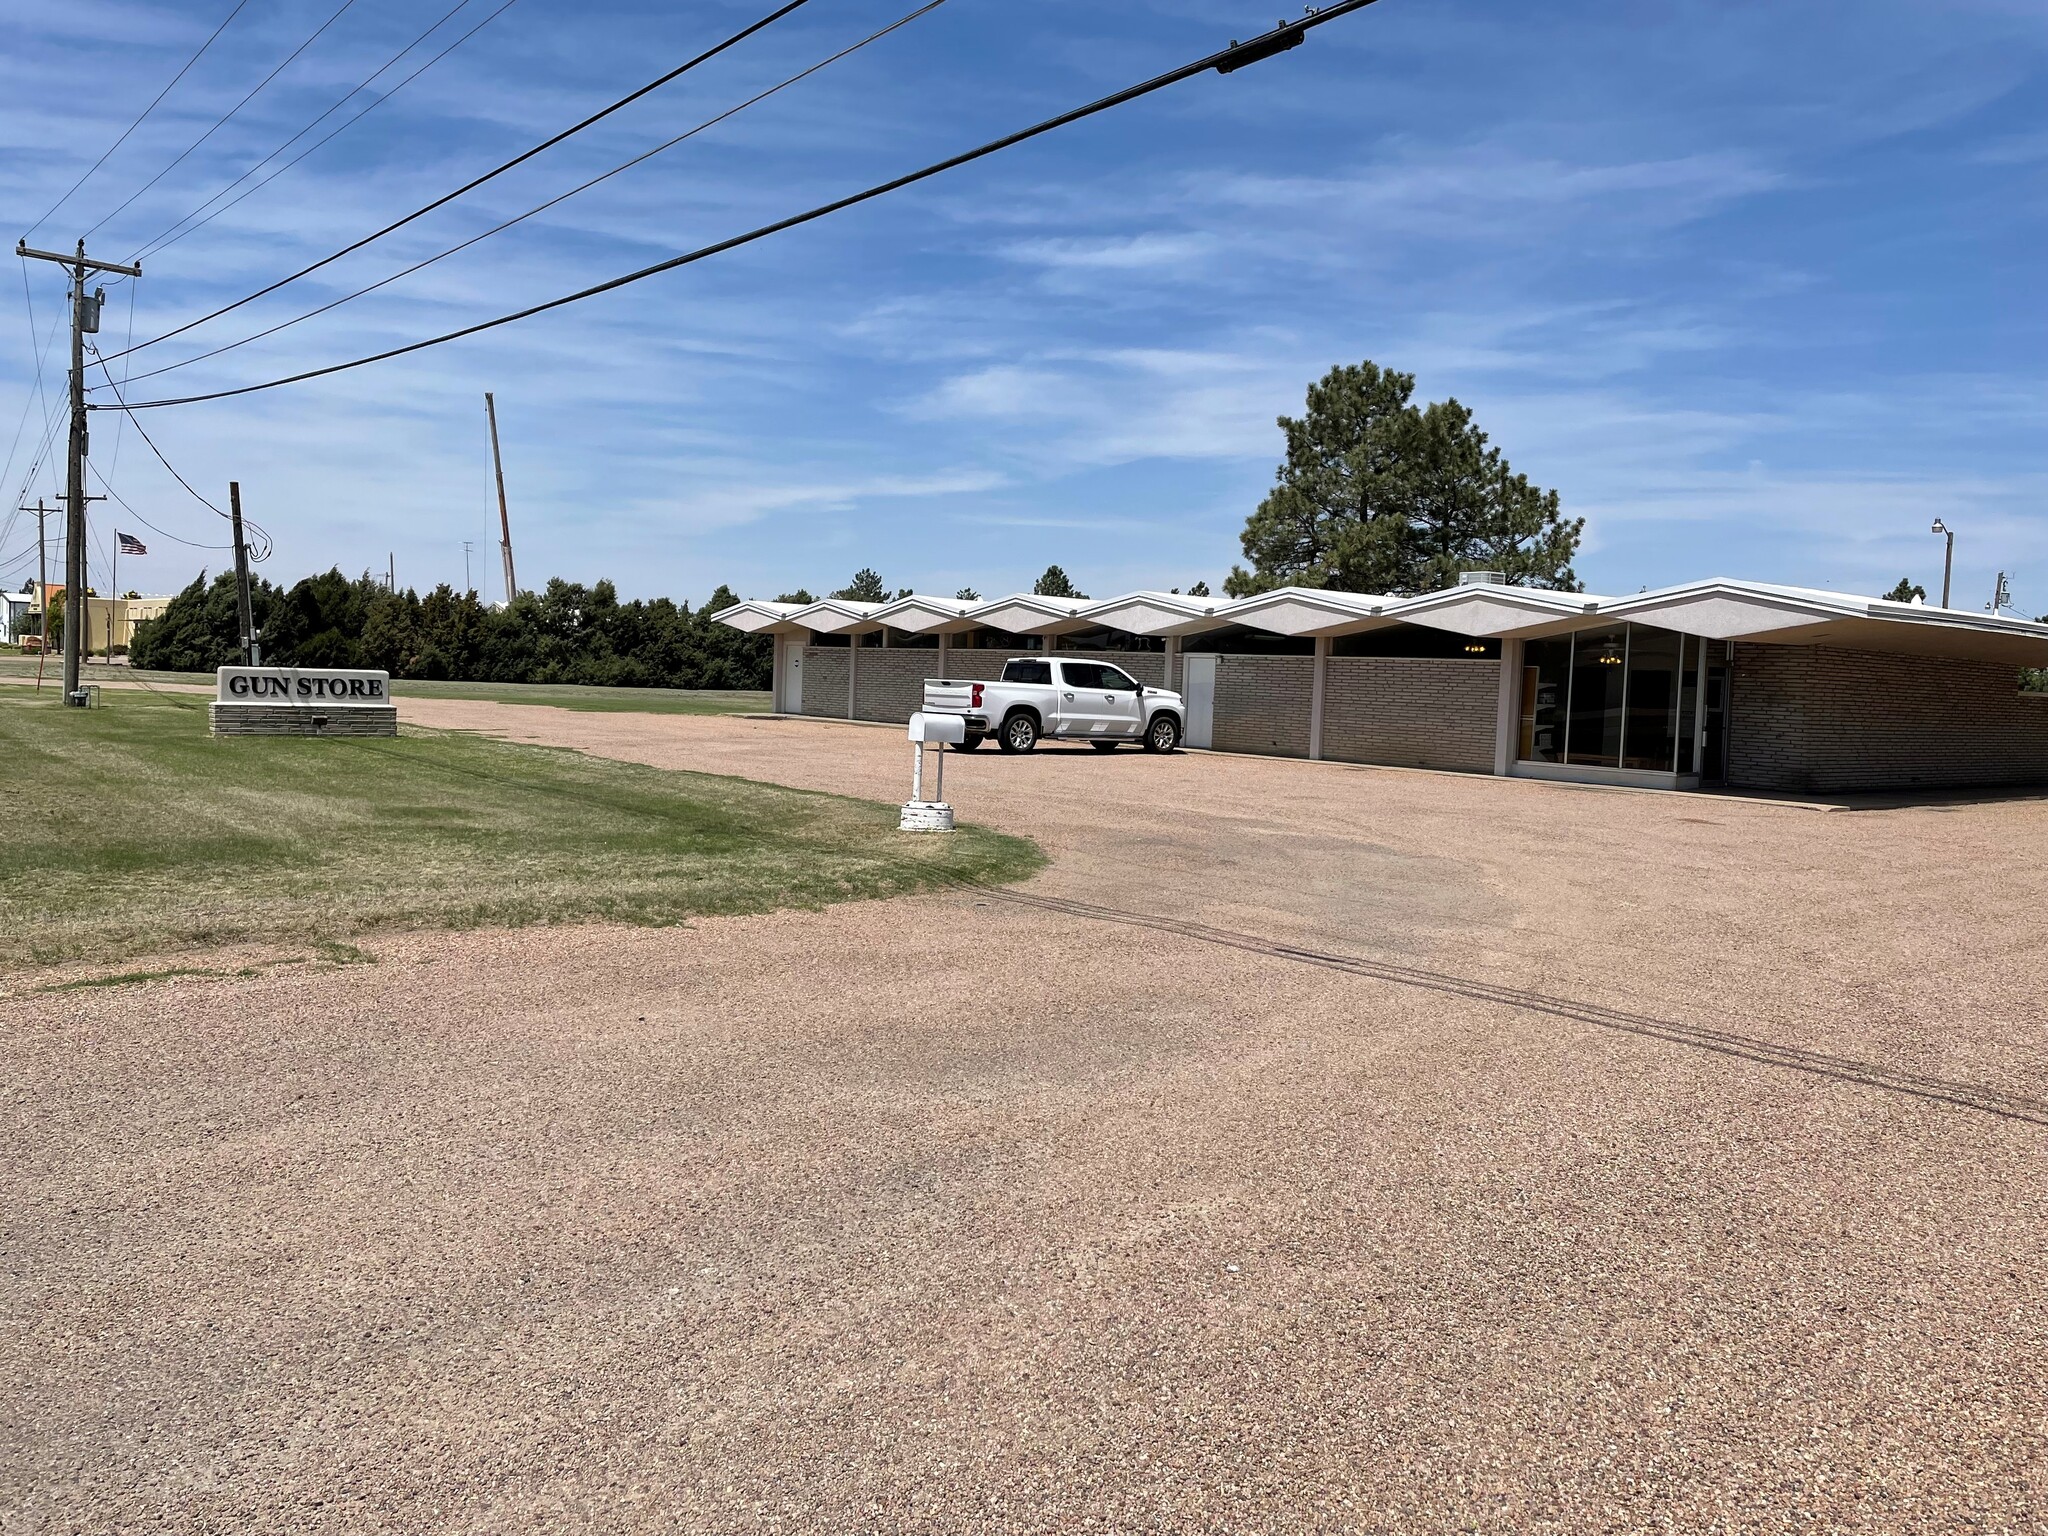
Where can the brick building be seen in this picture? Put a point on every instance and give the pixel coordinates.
(1715, 682)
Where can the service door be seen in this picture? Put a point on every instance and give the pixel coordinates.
(1198, 688)
(791, 675)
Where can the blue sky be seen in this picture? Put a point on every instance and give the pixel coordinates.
(1757, 287)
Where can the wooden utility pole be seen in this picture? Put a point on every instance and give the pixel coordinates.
(42, 589)
(252, 653)
(504, 517)
(85, 319)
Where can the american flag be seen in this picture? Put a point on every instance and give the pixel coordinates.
(131, 545)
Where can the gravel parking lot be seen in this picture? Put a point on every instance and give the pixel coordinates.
(1310, 1148)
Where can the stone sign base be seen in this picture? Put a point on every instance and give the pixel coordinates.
(301, 720)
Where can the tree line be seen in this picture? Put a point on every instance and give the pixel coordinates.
(564, 633)
(1376, 493)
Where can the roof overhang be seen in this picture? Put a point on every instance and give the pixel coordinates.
(1499, 612)
(838, 616)
(758, 618)
(1027, 613)
(1158, 613)
(1308, 612)
(927, 615)
(1758, 614)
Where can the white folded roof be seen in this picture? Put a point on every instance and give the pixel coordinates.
(1716, 609)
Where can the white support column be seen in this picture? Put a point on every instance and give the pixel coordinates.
(778, 676)
(852, 673)
(1315, 699)
(945, 651)
(1508, 719)
(1173, 662)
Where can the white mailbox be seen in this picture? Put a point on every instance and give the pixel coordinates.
(920, 814)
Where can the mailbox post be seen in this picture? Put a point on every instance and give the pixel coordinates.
(920, 814)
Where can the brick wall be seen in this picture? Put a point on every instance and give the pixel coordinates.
(1412, 711)
(1822, 719)
(825, 680)
(290, 720)
(891, 683)
(972, 666)
(1262, 704)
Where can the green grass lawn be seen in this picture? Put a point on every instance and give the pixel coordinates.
(129, 831)
(651, 701)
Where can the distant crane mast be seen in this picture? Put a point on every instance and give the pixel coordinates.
(504, 517)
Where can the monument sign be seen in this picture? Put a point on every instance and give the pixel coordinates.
(302, 701)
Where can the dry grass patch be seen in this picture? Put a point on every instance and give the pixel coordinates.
(129, 831)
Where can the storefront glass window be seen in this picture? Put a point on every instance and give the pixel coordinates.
(1651, 739)
(1622, 697)
(1599, 678)
(1546, 691)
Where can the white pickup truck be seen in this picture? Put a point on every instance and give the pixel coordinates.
(1040, 696)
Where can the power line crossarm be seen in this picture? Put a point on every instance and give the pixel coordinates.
(1224, 61)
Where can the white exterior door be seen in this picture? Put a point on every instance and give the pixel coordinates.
(791, 675)
(1198, 687)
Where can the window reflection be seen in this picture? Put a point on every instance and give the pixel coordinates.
(1546, 689)
(1626, 696)
(1599, 677)
(1651, 739)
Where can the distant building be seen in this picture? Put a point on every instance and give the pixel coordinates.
(1711, 683)
(110, 622)
(16, 609)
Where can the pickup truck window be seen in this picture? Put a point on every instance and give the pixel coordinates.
(1027, 672)
(1094, 676)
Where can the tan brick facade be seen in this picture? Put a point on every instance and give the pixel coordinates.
(1410, 711)
(825, 680)
(891, 683)
(1262, 704)
(298, 720)
(1812, 718)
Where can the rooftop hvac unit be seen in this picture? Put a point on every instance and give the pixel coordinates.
(1482, 579)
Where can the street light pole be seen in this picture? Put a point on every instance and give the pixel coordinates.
(1948, 559)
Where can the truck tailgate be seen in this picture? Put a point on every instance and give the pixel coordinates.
(945, 697)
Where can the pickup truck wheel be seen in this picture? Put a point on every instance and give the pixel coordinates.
(1019, 733)
(969, 744)
(1103, 746)
(1163, 734)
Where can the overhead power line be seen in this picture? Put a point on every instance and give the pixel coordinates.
(35, 394)
(222, 119)
(470, 186)
(172, 239)
(1224, 61)
(708, 123)
(253, 526)
(178, 229)
(160, 95)
(126, 506)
